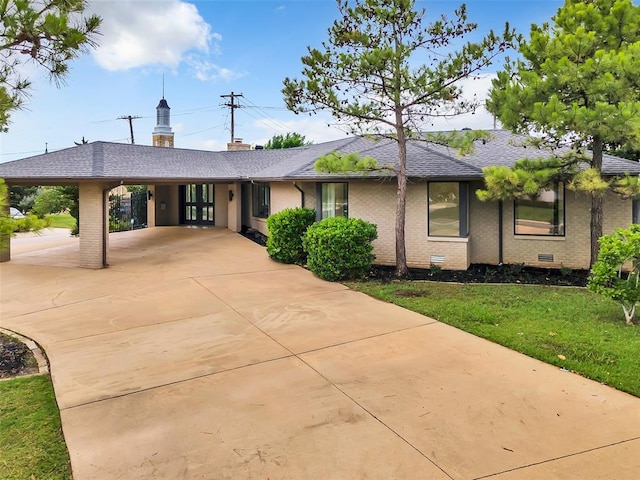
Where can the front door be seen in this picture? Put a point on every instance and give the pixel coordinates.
(197, 204)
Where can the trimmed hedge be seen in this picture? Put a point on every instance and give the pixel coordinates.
(286, 230)
(340, 248)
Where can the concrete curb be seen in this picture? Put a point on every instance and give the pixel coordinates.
(43, 364)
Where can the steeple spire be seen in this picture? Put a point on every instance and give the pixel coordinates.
(162, 134)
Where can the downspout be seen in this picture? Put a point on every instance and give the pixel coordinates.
(500, 234)
(301, 194)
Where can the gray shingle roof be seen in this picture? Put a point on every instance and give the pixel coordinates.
(146, 164)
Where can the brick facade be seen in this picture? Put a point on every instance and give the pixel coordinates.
(163, 140)
(376, 203)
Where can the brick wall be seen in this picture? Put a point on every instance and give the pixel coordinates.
(572, 250)
(483, 228)
(93, 222)
(375, 202)
(283, 195)
(162, 140)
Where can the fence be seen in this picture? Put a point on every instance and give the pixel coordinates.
(127, 211)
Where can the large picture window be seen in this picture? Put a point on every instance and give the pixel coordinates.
(261, 196)
(334, 200)
(542, 214)
(448, 209)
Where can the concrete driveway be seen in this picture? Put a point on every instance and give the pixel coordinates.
(195, 356)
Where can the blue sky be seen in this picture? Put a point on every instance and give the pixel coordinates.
(206, 49)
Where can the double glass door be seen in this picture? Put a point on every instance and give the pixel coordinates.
(198, 204)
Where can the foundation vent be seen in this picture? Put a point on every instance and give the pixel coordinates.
(436, 259)
(545, 257)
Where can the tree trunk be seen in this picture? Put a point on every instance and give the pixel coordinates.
(596, 204)
(401, 202)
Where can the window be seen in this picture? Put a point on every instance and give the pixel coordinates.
(448, 209)
(635, 211)
(542, 214)
(333, 200)
(261, 196)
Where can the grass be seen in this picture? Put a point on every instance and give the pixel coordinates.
(568, 327)
(31, 442)
(61, 220)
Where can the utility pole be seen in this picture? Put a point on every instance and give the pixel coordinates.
(131, 119)
(233, 106)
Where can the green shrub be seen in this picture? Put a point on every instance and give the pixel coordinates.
(616, 274)
(340, 248)
(30, 223)
(286, 230)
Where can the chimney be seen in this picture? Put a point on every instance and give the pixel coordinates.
(238, 145)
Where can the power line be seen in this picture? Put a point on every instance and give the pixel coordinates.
(278, 124)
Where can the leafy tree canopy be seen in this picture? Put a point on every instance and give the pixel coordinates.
(290, 140)
(578, 78)
(577, 84)
(49, 33)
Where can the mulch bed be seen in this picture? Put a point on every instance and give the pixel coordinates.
(254, 236)
(15, 358)
(480, 273)
(476, 273)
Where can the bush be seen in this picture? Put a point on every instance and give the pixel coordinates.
(616, 274)
(286, 230)
(30, 223)
(340, 248)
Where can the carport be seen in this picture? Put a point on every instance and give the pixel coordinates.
(99, 167)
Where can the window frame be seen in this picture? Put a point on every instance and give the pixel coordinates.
(559, 190)
(319, 199)
(463, 210)
(260, 191)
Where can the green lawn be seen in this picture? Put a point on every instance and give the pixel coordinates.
(568, 327)
(61, 220)
(31, 442)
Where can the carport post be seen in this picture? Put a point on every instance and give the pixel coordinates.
(94, 218)
(234, 217)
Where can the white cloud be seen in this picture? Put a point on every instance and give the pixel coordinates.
(205, 70)
(481, 119)
(137, 33)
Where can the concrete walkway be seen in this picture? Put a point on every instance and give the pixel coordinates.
(194, 356)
